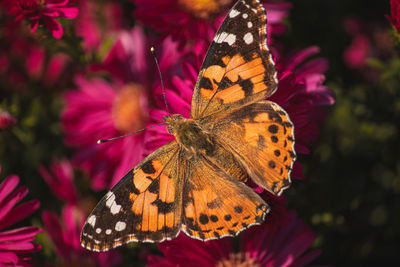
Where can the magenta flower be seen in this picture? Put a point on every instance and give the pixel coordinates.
(356, 53)
(61, 181)
(394, 17)
(22, 61)
(6, 120)
(64, 232)
(96, 22)
(102, 109)
(47, 10)
(194, 19)
(259, 246)
(15, 243)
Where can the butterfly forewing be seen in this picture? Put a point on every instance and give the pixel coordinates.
(145, 205)
(238, 68)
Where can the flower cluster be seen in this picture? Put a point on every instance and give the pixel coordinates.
(115, 90)
(15, 243)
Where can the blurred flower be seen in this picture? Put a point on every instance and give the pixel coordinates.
(356, 54)
(259, 246)
(64, 232)
(61, 181)
(96, 22)
(102, 109)
(15, 243)
(186, 20)
(394, 17)
(23, 61)
(99, 110)
(6, 120)
(47, 10)
(301, 93)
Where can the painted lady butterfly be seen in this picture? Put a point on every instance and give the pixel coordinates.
(196, 182)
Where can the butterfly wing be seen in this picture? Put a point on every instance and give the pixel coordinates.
(238, 68)
(215, 205)
(261, 138)
(145, 205)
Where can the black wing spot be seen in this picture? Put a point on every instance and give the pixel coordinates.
(163, 207)
(214, 218)
(205, 83)
(148, 168)
(238, 209)
(203, 218)
(154, 186)
(273, 129)
(272, 164)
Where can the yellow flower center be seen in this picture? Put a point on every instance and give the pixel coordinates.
(204, 9)
(238, 260)
(127, 110)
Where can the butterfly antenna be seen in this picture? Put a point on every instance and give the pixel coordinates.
(111, 139)
(153, 52)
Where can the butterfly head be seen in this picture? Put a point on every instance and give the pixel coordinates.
(172, 121)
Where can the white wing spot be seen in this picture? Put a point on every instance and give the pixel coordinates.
(248, 38)
(233, 13)
(110, 199)
(219, 38)
(98, 230)
(249, 24)
(115, 208)
(225, 37)
(92, 220)
(108, 232)
(120, 226)
(245, 16)
(230, 39)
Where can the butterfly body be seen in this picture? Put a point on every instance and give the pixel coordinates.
(189, 135)
(195, 183)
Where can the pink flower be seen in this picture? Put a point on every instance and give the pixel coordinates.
(15, 243)
(102, 109)
(23, 61)
(61, 181)
(64, 232)
(186, 20)
(6, 120)
(96, 22)
(360, 48)
(47, 10)
(259, 246)
(394, 17)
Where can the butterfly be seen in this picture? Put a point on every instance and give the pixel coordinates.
(196, 183)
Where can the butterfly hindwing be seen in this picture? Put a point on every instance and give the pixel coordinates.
(145, 205)
(238, 68)
(215, 205)
(261, 138)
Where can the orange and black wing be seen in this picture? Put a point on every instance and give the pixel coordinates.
(145, 205)
(260, 136)
(238, 68)
(215, 205)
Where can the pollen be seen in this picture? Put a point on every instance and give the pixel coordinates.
(204, 9)
(238, 259)
(128, 109)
